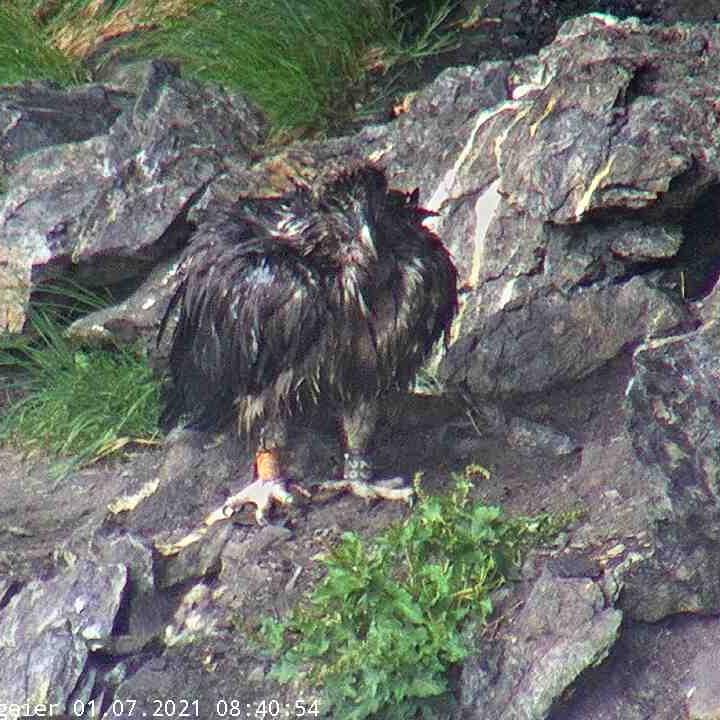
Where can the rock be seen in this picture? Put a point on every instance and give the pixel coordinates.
(204, 682)
(673, 410)
(664, 671)
(609, 161)
(643, 243)
(46, 630)
(39, 114)
(564, 628)
(703, 696)
(6, 587)
(527, 434)
(557, 337)
(115, 202)
(673, 417)
(569, 156)
(135, 319)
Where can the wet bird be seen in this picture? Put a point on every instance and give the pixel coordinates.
(333, 294)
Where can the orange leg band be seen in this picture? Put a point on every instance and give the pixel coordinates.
(268, 465)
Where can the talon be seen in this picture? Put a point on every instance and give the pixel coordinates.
(262, 494)
(269, 488)
(388, 490)
(393, 482)
(357, 473)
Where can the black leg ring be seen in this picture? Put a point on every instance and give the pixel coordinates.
(357, 468)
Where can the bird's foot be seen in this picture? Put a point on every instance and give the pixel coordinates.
(357, 474)
(269, 489)
(261, 493)
(390, 489)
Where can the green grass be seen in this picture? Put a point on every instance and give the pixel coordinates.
(311, 65)
(26, 52)
(380, 634)
(80, 404)
(303, 63)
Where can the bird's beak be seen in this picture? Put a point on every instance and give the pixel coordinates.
(367, 238)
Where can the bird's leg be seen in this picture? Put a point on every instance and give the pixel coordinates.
(359, 424)
(269, 486)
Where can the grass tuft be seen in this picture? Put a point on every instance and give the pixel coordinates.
(382, 631)
(80, 404)
(26, 52)
(303, 63)
(311, 66)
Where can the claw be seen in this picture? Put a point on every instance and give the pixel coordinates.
(262, 494)
(391, 489)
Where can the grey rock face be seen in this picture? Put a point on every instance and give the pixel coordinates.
(47, 629)
(588, 129)
(672, 402)
(673, 415)
(664, 670)
(557, 337)
(564, 628)
(112, 198)
(39, 114)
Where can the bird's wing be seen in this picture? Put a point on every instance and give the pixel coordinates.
(248, 311)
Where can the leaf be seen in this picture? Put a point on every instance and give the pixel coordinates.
(426, 686)
(432, 511)
(407, 607)
(385, 626)
(273, 632)
(285, 672)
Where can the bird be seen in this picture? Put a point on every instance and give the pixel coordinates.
(331, 294)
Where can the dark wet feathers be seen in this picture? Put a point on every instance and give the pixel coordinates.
(328, 295)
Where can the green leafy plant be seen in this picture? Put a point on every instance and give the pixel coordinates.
(384, 627)
(80, 403)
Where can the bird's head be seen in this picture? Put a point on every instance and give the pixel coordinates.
(353, 203)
